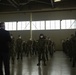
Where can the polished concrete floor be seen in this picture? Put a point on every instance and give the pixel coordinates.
(58, 65)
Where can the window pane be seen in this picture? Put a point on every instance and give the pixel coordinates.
(6, 26)
(10, 25)
(14, 26)
(57, 24)
(38, 25)
(27, 25)
(42, 26)
(63, 25)
(23, 25)
(19, 26)
(53, 25)
(48, 25)
(34, 27)
(68, 24)
(73, 24)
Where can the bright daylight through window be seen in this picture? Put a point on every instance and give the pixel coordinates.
(41, 25)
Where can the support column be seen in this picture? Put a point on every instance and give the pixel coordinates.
(31, 26)
(60, 24)
(45, 24)
(16, 25)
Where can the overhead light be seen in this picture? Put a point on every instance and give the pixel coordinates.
(57, 0)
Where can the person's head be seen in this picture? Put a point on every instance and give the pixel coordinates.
(19, 36)
(41, 36)
(2, 25)
(11, 35)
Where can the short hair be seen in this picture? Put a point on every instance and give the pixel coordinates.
(2, 24)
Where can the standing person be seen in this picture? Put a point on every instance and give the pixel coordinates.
(74, 50)
(41, 49)
(19, 47)
(29, 47)
(4, 50)
(12, 49)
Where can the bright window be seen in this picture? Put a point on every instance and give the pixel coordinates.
(38, 25)
(48, 25)
(19, 25)
(41, 25)
(23, 25)
(10, 25)
(27, 25)
(52, 24)
(68, 24)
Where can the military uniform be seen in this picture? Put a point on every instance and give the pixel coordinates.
(46, 48)
(50, 47)
(34, 47)
(41, 50)
(29, 48)
(12, 49)
(19, 48)
(74, 51)
(24, 47)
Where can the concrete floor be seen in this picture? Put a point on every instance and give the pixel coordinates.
(58, 65)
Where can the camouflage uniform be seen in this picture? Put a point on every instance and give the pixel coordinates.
(12, 49)
(19, 48)
(24, 47)
(29, 47)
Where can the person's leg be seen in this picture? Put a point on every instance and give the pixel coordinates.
(18, 54)
(43, 58)
(6, 61)
(21, 55)
(1, 69)
(39, 59)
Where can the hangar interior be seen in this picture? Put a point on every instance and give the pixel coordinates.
(44, 12)
(30, 18)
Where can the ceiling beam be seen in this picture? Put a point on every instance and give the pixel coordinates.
(42, 2)
(24, 3)
(13, 4)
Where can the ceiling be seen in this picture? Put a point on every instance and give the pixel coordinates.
(36, 5)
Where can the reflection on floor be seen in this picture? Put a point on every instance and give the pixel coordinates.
(58, 65)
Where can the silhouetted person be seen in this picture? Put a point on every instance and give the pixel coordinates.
(41, 49)
(4, 50)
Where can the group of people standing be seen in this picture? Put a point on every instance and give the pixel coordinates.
(69, 48)
(11, 48)
(41, 47)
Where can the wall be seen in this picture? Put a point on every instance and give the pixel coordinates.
(54, 15)
(56, 35)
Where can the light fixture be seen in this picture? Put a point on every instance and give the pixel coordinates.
(57, 0)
